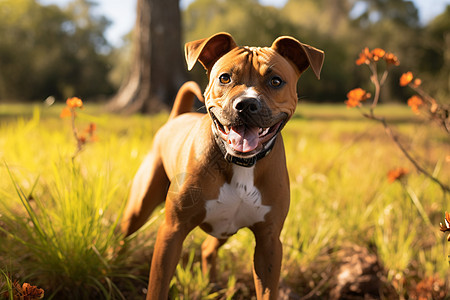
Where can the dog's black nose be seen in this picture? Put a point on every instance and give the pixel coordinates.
(247, 105)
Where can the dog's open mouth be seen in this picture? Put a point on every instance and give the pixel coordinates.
(244, 140)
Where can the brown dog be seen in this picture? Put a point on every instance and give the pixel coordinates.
(224, 170)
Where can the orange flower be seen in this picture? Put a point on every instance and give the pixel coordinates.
(406, 78)
(364, 57)
(414, 102)
(65, 113)
(378, 53)
(446, 226)
(397, 174)
(391, 59)
(82, 139)
(355, 97)
(74, 102)
(417, 82)
(90, 129)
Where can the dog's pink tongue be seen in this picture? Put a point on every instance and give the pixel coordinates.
(243, 139)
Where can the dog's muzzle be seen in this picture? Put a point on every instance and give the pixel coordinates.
(244, 141)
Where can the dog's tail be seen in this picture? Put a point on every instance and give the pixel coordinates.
(185, 99)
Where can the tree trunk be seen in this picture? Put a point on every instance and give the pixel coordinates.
(158, 69)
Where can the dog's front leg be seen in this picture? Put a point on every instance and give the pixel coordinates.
(267, 264)
(166, 255)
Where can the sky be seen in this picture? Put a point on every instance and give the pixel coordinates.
(122, 13)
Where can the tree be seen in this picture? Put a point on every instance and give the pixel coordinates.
(249, 22)
(157, 69)
(434, 65)
(402, 12)
(45, 50)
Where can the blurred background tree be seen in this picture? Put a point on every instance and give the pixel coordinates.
(157, 68)
(47, 50)
(342, 28)
(434, 56)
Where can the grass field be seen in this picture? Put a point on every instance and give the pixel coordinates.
(58, 216)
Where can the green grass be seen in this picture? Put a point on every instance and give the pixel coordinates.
(6, 286)
(58, 218)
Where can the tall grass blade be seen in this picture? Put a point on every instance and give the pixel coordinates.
(8, 284)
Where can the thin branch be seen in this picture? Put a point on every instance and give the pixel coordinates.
(75, 134)
(384, 77)
(391, 134)
(378, 83)
(436, 112)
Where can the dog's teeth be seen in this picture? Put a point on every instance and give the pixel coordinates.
(263, 131)
(226, 129)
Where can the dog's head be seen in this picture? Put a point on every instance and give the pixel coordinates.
(252, 92)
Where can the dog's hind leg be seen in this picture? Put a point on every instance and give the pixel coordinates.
(210, 247)
(148, 190)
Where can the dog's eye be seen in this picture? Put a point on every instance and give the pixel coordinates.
(276, 81)
(225, 78)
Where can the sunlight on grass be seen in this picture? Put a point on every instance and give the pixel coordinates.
(58, 218)
(69, 233)
(190, 283)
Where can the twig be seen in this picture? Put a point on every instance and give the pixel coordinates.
(437, 113)
(394, 138)
(75, 134)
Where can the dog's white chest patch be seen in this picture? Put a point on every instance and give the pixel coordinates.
(239, 205)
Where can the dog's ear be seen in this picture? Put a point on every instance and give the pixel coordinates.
(300, 54)
(208, 50)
